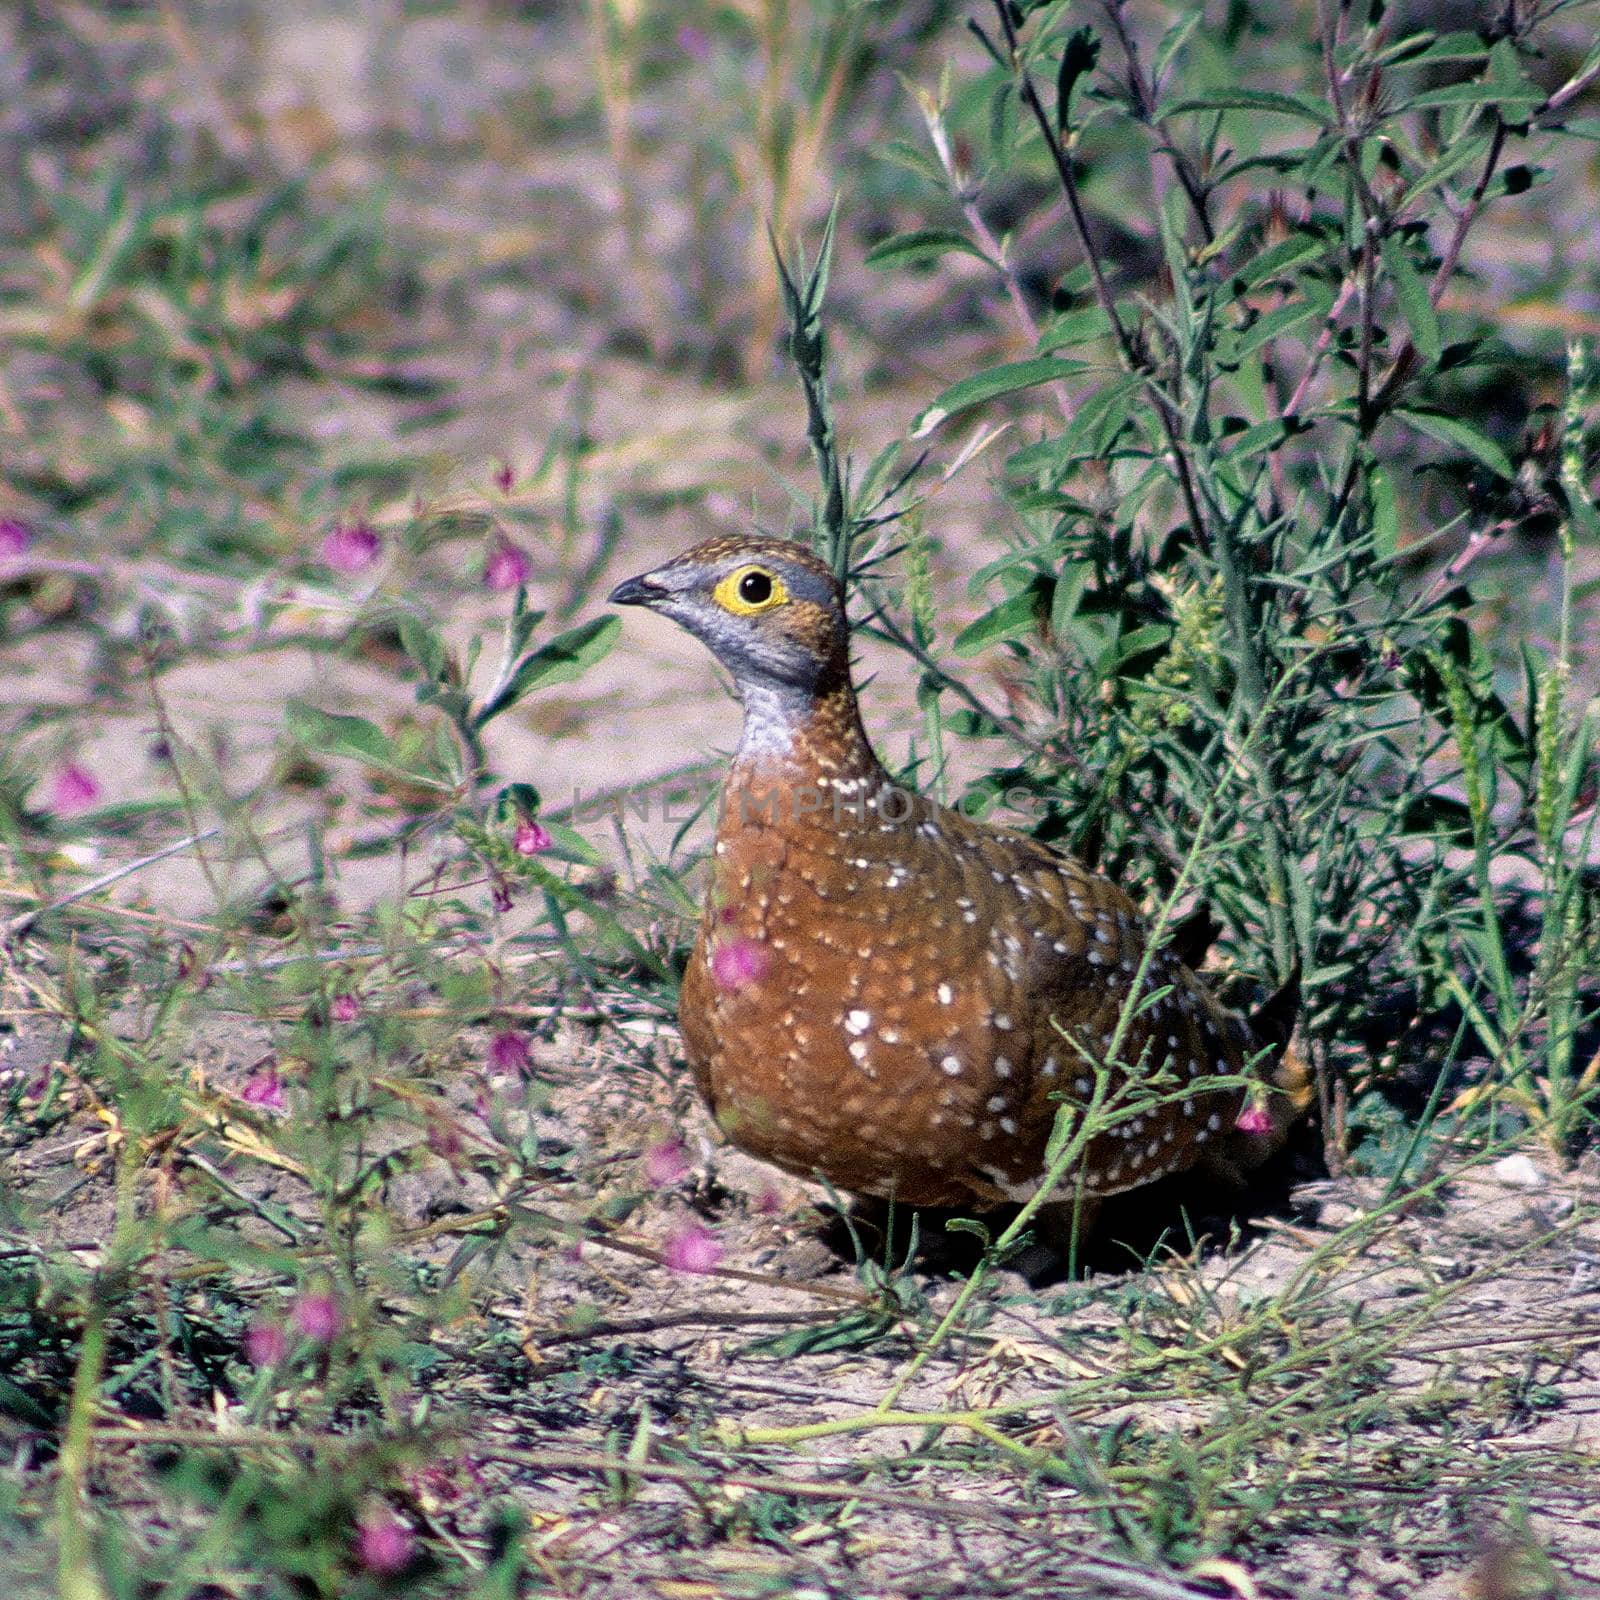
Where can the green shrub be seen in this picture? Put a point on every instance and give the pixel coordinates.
(1229, 600)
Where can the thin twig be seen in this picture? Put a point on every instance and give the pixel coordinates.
(23, 921)
(1166, 407)
(1144, 97)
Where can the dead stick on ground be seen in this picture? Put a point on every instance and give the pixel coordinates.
(21, 923)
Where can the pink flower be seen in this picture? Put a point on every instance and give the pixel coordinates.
(265, 1344)
(665, 1164)
(692, 1247)
(73, 789)
(510, 1052)
(531, 838)
(507, 567)
(738, 962)
(352, 547)
(15, 537)
(384, 1543)
(345, 1008)
(1254, 1119)
(317, 1317)
(264, 1088)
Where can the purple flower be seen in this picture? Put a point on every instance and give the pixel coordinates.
(530, 838)
(265, 1344)
(737, 962)
(15, 537)
(507, 567)
(666, 1163)
(692, 1247)
(317, 1317)
(264, 1088)
(384, 1543)
(504, 476)
(352, 547)
(695, 42)
(510, 1052)
(73, 789)
(345, 1008)
(1254, 1119)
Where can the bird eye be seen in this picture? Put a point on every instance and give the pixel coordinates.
(750, 590)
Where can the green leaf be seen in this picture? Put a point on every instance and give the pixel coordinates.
(877, 480)
(1009, 619)
(1453, 431)
(1303, 107)
(1092, 432)
(1317, 302)
(1253, 440)
(1447, 47)
(1074, 327)
(1385, 514)
(1068, 594)
(984, 386)
(1177, 36)
(912, 158)
(1412, 293)
(1485, 92)
(1457, 154)
(1277, 260)
(423, 645)
(923, 246)
(332, 735)
(567, 656)
(1512, 84)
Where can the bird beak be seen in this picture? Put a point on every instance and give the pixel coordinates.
(641, 591)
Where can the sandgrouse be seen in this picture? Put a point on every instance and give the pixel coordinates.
(888, 994)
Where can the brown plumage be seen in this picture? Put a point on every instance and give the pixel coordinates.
(886, 993)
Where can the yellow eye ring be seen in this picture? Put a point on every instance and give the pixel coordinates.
(750, 591)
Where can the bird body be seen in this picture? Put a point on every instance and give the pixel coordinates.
(887, 994)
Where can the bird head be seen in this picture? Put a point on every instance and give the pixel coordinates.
(769, 610)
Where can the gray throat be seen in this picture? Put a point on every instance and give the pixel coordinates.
(773, 713)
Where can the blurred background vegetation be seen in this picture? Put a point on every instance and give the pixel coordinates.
(1209, 396)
